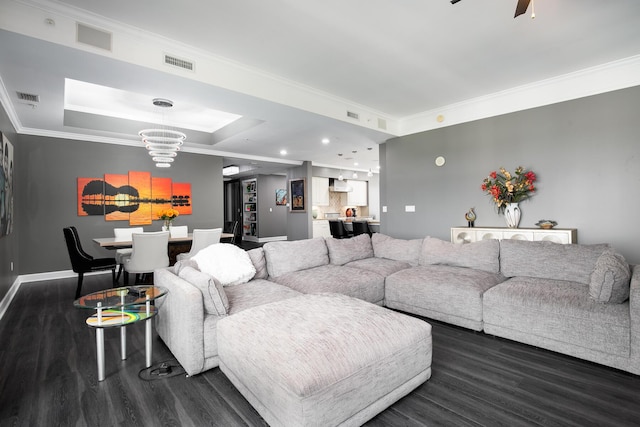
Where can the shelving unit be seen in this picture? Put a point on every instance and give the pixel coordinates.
(250, 210)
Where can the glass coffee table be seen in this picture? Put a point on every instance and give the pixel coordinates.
(118, 308)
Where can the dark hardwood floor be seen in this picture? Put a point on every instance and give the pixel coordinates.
(49, 378)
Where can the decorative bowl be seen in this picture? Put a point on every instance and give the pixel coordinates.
(546, 224)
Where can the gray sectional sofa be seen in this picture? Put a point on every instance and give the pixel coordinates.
(581, 300)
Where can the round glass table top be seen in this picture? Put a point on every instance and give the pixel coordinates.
(125, 296)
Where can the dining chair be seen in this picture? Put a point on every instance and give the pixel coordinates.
(124, 235)
(179, 231)
(361, 227)
(150, 251)
(338, 230)
(82, 262)
(230, 227)
(201, 239)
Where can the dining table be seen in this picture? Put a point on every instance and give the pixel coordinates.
(177, 245)
(113, 243)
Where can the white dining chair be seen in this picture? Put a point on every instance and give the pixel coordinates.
(124, 235)
(150, 251)
(179, 231)
(201, 239)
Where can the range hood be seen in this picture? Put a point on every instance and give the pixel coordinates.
(338, 186)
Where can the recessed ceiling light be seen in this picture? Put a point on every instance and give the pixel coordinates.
(355, 163)
(283, 152)
(325, 140)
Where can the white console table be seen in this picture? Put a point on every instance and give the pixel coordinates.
(474, 234)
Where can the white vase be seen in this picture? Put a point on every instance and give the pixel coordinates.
(512, 215)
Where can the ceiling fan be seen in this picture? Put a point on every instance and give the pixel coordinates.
(521, 7)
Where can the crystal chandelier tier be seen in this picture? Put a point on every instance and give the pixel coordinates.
(163, 144)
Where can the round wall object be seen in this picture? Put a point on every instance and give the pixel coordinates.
(440, 161)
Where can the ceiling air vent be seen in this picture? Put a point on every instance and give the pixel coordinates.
(353, 115)
(28, 97)
(93, 36)
(177, 62)
(382, 124)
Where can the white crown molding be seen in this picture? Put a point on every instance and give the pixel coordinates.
(147, 49)
(140, 47)
(603, 78)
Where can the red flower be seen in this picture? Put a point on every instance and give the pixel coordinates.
(531, 176)
(493, 175)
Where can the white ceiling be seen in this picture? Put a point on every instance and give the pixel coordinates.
(294, 68)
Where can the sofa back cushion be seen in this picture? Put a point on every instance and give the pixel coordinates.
(396, 249)
(548, 260)
(259, 262)
(342, 251)
(481, 255)
(213, 294)
(286, 257)
(610, 278)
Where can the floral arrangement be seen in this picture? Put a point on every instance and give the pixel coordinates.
(507, 188)
(168, 214)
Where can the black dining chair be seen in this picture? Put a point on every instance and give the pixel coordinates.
(338, 230)
(82, 262)
(232, 228)
(361, 227)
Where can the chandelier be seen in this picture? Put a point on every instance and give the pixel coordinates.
(163, 144)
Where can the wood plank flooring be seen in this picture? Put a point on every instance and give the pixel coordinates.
(48, 377)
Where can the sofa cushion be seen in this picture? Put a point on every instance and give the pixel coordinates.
(353, 282)
(548, 260)
(441, 292)
(557, 311)
(259, 262)
(610, 278)
(397, 249)
(382, 266)
(286, 257)
(226, 262)
(481, 255)
(342, 251)
(213, 295)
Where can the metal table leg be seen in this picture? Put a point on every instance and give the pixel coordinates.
(148, 333)
(100, 345)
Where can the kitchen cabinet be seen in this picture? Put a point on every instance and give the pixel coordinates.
(358, 195)
(321, 228)
(319, 191)
(474, 234)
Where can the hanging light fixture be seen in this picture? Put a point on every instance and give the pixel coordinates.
(163, 144)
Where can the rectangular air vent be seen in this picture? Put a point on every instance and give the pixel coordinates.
(353, 115)
(382, 124)
(93, 36)
(180, 63)
(28, 97)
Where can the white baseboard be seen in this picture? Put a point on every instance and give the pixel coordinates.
(271, 239)
(37, 277)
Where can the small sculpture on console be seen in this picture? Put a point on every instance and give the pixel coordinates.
(470, 217)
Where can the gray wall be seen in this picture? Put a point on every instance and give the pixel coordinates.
(46, 186)
(9, 244)
(272, 218)
(585, 152)
(299, 224)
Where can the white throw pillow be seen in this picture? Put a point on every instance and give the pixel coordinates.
(226, 262)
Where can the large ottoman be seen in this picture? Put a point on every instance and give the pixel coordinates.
(323, 359)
